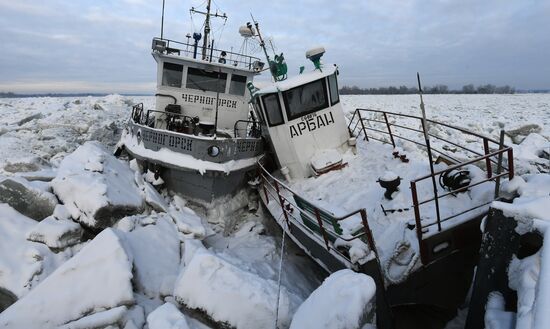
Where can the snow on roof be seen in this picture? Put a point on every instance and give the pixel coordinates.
(297, 80)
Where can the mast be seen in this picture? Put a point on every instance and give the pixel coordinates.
(207, 25)
(206, 30)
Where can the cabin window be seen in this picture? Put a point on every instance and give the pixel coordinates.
(171, 74)
(333, 84)
(237, 85)
(306, 99)
(206, 81)
(272, 108)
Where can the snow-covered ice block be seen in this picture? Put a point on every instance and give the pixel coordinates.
(345, 300)
(188, 223)
(95, 187)
(96, 279)
(495, 315)
(167, 316)
(103, 319)
(22, 263)
(27, 199)
(233, 295)
(56, 233)
(155, 247)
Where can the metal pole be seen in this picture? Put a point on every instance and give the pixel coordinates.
(162, 21)
(487, 160)
(217, 104)
(499, 164)
(206, 30)
(427, 139)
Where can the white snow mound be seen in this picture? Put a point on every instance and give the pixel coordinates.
(96, 279)
(96, 188)
(167, 316)
(345, 300)
(230, 294)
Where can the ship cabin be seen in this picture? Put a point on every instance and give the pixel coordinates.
(202, 90)
(303, 121)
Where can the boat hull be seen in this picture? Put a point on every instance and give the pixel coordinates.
(436, 289)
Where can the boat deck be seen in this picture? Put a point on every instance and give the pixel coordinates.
(347, 207)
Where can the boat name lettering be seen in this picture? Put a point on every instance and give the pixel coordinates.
(206, 100)
(180, 142)
(310, 123)
(154, 137)
(173, 141)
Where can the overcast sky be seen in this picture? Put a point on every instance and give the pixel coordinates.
(104, 46)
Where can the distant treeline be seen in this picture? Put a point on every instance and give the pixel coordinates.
(437, 89)
(14, 95)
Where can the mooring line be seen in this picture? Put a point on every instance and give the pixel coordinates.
(279, 279)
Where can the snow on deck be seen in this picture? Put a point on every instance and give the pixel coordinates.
(355, 186)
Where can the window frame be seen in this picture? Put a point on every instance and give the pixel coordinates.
(163, 74)
(318, 108)
(231, 84)
(221, 88)
(332, 103)
(266, 113)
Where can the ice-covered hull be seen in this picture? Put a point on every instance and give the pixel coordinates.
(188, 165)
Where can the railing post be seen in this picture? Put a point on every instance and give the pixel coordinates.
(499, 164)
(281, 201)
(418, 223)
(487, 160)
(510, 163)
(389, 129)
(350, 122)
(362, 125)
(323, 233)
(368, 232)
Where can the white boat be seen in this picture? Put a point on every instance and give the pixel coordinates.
(322, 182)
(200, 140)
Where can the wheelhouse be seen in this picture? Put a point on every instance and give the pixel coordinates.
(302, 118)
(198, 88)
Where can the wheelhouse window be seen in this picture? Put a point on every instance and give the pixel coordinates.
(171, 74)
(237, 85)
(272, 108)
(206, 81)
(333, 86)
(305, 99)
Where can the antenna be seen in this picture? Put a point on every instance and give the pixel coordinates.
(207, 24)
(162, 20)
(429, 149)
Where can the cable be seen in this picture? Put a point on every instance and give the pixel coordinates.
(279, 279)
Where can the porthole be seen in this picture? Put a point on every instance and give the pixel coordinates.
(213, 151)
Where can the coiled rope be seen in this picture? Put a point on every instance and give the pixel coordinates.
(400, 248)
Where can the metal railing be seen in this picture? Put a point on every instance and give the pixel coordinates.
(285, 197)
(212, 54)
(251, 128)
(486, 157)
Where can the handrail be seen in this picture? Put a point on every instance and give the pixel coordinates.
(257, 123)
(265, 174)
(232, 58)
(466, 131)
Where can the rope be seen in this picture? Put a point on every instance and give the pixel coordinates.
(400, 248)
(279, 279)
